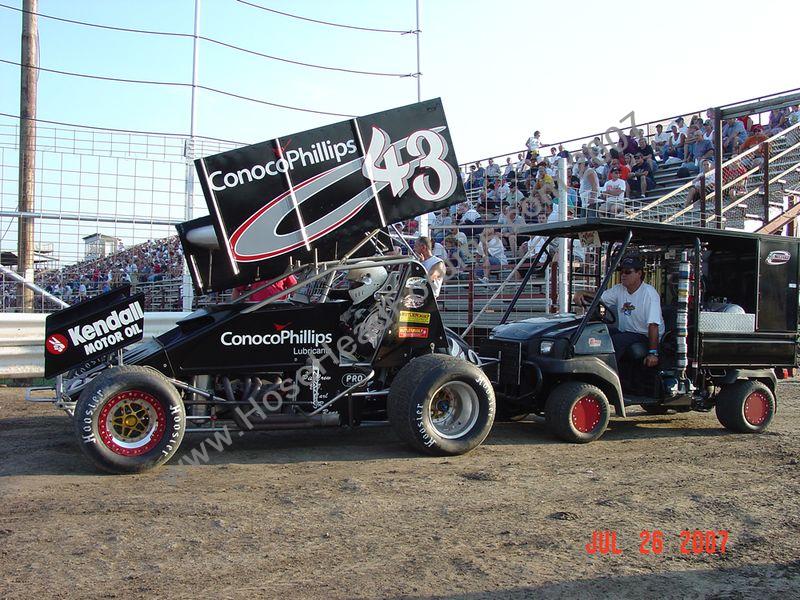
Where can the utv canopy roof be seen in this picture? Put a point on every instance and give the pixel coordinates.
(615, 230)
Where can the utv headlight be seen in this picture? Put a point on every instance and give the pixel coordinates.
(545, 347)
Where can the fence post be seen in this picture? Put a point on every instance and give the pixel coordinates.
(765, 182)
(471, 303)
(718, 166)
(563, 281)
(702, 197)
(27, 150)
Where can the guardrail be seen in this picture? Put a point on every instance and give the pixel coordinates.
(22, 340)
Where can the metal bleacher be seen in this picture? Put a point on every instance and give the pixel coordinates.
(755, 195)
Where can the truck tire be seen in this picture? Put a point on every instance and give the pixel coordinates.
(746, 406)
(577, 412)
(441, 405)
(129, 419)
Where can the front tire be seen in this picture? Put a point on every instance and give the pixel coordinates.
(746, 407)
(129, 419)
(441, 405)
(577, 412)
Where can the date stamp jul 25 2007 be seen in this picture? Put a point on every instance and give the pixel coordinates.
(691, 542)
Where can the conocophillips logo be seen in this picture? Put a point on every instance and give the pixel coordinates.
(319, 152)
(778, 257)
(285, 336)
(257, 238)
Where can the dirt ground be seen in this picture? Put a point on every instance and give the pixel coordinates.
(354, 514)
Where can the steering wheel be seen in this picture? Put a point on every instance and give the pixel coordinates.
(604, 312)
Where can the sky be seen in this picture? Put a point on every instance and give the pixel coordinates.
(502, 68)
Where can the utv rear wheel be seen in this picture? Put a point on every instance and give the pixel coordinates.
(129, 419)
(577, 412)
(441, 405)
(746, 407)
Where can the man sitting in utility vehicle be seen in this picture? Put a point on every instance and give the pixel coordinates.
(638, 308)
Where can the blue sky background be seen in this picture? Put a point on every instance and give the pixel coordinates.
(502, 68)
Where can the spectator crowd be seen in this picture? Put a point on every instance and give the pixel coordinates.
(154, 267)
(482, 236)
(603, 180)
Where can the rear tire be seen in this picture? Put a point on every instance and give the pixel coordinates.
(577, 412)
(746, 407)
(441, 405)
(129, 419)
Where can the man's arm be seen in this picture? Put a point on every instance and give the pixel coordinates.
(437, 272)
(652, 337)
(651, 360)
(581, 297)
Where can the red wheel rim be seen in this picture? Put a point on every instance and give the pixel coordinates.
(132, 423)
(586, 414)
(756, 408)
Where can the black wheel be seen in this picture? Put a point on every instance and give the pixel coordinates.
(577, 412)
(441, 405)
(746, 407)
(129, 419)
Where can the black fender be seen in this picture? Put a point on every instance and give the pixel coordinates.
(766, 376)
(458, 347)
(589, 369)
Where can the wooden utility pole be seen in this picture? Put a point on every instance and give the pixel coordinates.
(27, 148)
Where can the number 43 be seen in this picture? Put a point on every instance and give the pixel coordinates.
(396, 173)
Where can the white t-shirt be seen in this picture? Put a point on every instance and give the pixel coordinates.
(496, 249)
(515, 196)
(533, 144)
(635, 311)
(439, 251)
(436, 284)
(535, 243)
(501, 192)
(470, 216)
(461, 237)
(611, 184)
(518, 220)
(661, 138)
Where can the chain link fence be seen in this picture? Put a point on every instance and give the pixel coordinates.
(106, 205)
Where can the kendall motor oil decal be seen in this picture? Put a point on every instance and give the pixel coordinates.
(92, 329)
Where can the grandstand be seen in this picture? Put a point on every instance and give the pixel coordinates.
(758, 184)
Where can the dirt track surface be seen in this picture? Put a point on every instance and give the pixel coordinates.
(341, 514)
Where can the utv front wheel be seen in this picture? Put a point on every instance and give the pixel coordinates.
(441, 405)
(129, 419)
(746, 407)
(577, 412)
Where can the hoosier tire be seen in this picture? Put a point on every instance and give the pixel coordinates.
(129, 419)
(577, 412)
(746, 407)
(441, 405)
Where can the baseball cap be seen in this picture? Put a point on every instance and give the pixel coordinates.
(631, 262)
